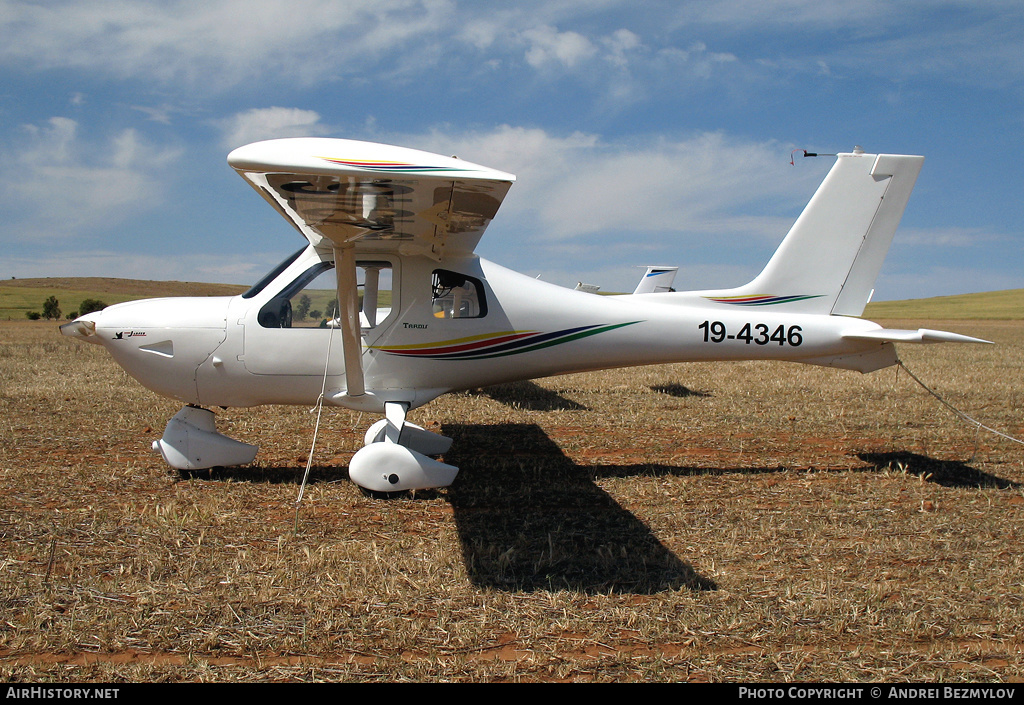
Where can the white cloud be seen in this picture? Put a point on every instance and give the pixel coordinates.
(480, 33)
(548, 46)
(948, 237)
(212, 43)
(620, 44)
(162, 114)
(578, 196)
(221, 44)
(217, 45)
(913, 282)
(697, 184)
(742, 14)
(65, 183)
(576, 185)
(270, 123)
(175, 266)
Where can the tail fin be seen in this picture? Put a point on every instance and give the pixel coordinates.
(831, 257)
(656, 279)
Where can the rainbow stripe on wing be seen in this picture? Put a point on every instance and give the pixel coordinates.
(761, 299)
(389, 166)
(491, 345)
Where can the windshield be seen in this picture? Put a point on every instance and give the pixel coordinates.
(262, 283)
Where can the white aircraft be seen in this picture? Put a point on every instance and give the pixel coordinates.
(408, 312)
(587, 288)
(656, 279)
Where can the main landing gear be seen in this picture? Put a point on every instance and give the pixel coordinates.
(395, 458)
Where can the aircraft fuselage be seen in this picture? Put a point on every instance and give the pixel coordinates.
(218, 351)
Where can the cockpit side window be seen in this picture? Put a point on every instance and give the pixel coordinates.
(457, 295)
(311, 301)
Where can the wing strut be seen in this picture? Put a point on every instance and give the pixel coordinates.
(348, 318)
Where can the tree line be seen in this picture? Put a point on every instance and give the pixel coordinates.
(51, 309)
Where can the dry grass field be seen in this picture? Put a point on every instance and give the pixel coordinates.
(704, 522)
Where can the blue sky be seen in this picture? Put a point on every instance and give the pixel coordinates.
(641, 132)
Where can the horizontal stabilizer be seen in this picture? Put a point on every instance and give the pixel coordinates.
(921, 335)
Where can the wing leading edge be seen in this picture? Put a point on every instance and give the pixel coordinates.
(340, 193)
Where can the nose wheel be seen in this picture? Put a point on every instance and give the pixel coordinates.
(396, 458)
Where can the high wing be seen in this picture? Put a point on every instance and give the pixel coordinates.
(346, 196)
(341, 193)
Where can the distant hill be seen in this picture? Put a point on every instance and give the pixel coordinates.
(990, 305)
(18, 296)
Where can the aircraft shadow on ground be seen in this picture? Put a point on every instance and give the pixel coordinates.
(271, 475)
(679, 390)
(532, 397)
(531, 519)
(948, 473)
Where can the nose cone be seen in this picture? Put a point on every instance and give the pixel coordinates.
(83, 328)
(159, 342)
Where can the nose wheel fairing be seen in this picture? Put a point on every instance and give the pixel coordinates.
(191, 442)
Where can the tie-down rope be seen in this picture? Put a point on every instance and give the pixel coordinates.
(952, 408)
(318, 408)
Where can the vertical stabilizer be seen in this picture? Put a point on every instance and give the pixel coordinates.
(831, 257)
